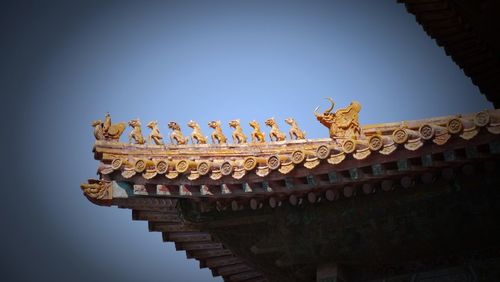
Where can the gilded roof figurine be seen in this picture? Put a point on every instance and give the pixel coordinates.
(217, 133)
(295, 132)
(344, 123)
(257, 135)
(176, 134)
(106, 130)
(275, 131)
(154, 135)
(97, 189)
(98, 131)
(136, 133)
(238, 135)
(197, 134)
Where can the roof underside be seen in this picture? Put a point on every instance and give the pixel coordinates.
(468, 31)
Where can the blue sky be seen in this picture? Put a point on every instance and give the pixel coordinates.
(68, 64)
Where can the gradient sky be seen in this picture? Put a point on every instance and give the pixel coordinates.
(65, 63)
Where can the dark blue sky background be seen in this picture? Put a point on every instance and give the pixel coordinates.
(64, 64)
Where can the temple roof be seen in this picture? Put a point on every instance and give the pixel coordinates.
(177, 187)
(468, 32)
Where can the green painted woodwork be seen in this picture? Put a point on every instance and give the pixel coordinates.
(495, 147)
(426, 160)
(377, 169)
(333, 177)
(311, 181)
(403, 165)
(449, 156)
(354, 173)
(471, 152)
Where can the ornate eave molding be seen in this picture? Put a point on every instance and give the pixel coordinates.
(205, 162)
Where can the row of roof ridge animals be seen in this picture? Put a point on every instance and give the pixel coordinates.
(112, 132)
